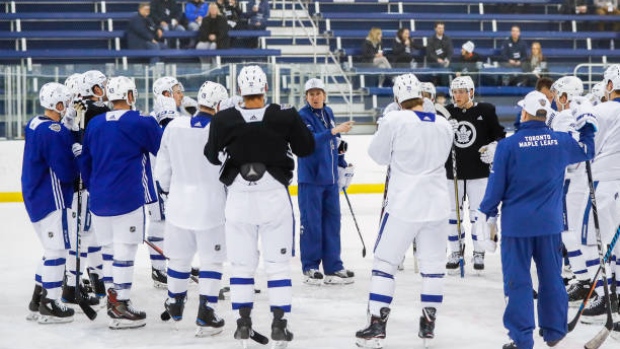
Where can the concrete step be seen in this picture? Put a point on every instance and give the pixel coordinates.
(300, 50)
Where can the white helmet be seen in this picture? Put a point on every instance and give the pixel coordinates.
(211, 94)
(406, 86)
(612, 74)
(252, 81)
(429, 88)
(314, 83)
(73, 83)
(118, 89)
(89, 80)
(598, 90)
(52, 93)
(164, 84)
(462, 82)
(571, 85)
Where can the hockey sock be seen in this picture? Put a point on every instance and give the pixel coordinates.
(575, 256)
(381, 287)
(453, 238)
(432, 285)
(156, 236)
(94, 258)
(122, 268)
(52, 272)
(210, 277)
(107, 254)
(279, 285)
(178, 275)
(241, 291)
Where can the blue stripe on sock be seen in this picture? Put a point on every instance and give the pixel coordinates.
(593, 262)
(279, 283)
(576, 253)
(439, 276)
(175, 295)
(474, 237)
(431, 298)
(210, 275)
(50, 285)
(382, 274)
(177, 274)
(37, 278)
(54, 262)
(577, 272)
(236, 306)
(124, 286)
(285, 308)
(157, 257)
(93, 249)
(453, 238)
(154, 239)
(107, 257)
(380, 298)
(122, 264)
(212, 299)
(107, 279)
(242, 281)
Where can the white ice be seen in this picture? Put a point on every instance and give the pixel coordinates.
(322, 317)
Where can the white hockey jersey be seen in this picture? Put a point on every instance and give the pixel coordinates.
(415, 145)
(606, 164)
(196, 198)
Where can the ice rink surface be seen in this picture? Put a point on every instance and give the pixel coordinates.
(323, 316)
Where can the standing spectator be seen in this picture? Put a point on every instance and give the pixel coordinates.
(514, 50)
(195, 11)
(414, 144)
(213, 32)
(168, 15)
(48, 173)
(477, 131)
(194, 209)
(258, 15)
(403, 49)
(259, 140)
(371, 49)
(469, 61)
(114, 162)
(532, 218)
(319, 200)
(143, 33)
(439, 49)
(607, 8)
(535, 65)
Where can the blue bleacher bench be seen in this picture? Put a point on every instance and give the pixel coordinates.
(101, 34)
(478, 34)
(468, 17)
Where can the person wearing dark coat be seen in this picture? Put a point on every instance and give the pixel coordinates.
(213, 33)
(142, 33)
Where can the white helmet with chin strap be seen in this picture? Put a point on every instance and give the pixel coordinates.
(164, 84)
(89, 80)
(572, 86)
(406, 86)
(429, 88)
(118, 88)
(463, 82)
(252, 81)
(53, 93)
(612, 73)
(211, 94)
(73, 83)
(598, 90)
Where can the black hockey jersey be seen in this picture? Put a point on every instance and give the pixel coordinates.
(478, 126)
(269, 142)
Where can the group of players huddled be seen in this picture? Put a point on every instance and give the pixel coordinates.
(94, 168)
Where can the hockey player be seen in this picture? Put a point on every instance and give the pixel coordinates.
(414, 144)
(606, 176)
(527, 178)
(318, 176)
(257, 142)
(167, 91)
(90, 90)
(48, 173)
(597, 93)
(194, 210)
(430, 92)
(477, 133)
(114, 169)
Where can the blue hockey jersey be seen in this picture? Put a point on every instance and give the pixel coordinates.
(115, 163)
(528, 176)
(320, 167)
(49, 167)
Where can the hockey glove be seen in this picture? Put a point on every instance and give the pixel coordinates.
(586, 119)
(69, 120)
(486, 229)
(164, 108)
(76, 148)
(487, 152)
(342, 146)
(345, 175)
(455, 125)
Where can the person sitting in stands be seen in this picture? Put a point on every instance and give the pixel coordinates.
(143, 33)
(195, 11)
(371, 49)
(403, 49)
(213, 32)
(514, 50)
(469, 61)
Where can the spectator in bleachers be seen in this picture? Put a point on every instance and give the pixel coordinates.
(195, 11)
(403, 49)
(213, 32)
(469, 61)
(258, 15)
(233, 14)
(514, 50)
(371, 49)
(607, 8)
(168, 15)
(572, 7)
(439, 49)
(143, 33)
(536, 65)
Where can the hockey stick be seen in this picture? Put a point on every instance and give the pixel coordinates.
(610, 247)
(458, 213)
(346, 196)
(86, 308)
(600, 337)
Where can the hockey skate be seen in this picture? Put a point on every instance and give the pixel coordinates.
(313, 277)
(577, 291)
(209, 324)
(174, 308)
(122, 314)
(452, 266)
(511, 345)
(478, 260)
(596, 311)
(69, 295)
(341, 277)
(427, 325)
(33, 306)
(96, 283)
(244, 326)
(53, 311)
(373, 336)
(160, 278)
(279, 330)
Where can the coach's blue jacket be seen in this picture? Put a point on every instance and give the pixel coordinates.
(321, 167)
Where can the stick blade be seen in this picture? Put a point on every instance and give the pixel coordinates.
(90, 313)
(598, 340)
(364, 252)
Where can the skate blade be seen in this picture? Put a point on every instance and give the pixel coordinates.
(207, 331)
(479, 272)
(313, 282)
(373, 343)
(48, 320)
(426, 342)
(335, 280)
(456, 271)
(279, 344)
(244, 343)
(121, 324)
(33, 316)
(160, 285)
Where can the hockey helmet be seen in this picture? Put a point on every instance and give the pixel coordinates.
(211, 94)
(252, 81)
(571, 85)
(53, 93)
(118, 89)
(462, 82)
(164, 84)
(429, 88)
(406, 86)
(89, 80)
(73, 83)
(612, 73)
(598, 90)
